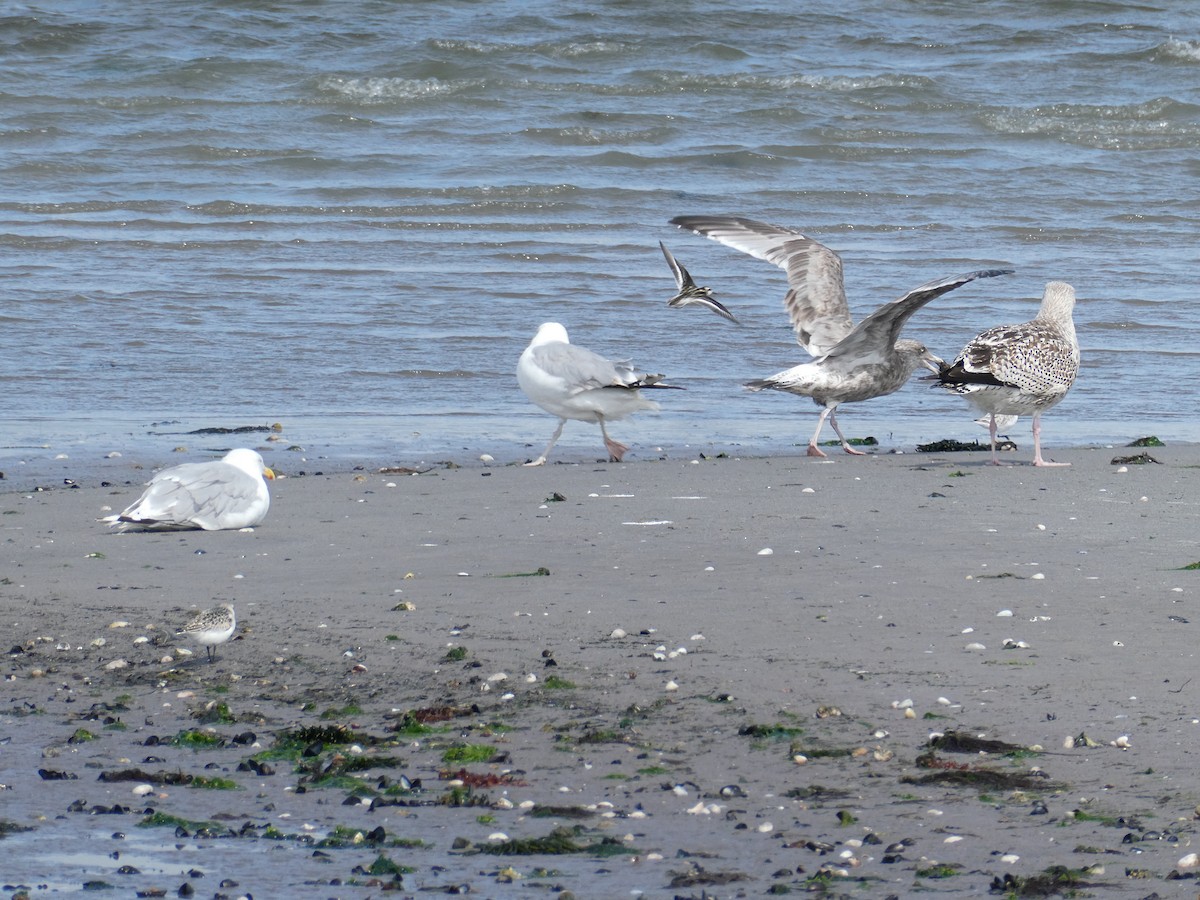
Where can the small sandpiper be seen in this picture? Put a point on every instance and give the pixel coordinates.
(211, 627)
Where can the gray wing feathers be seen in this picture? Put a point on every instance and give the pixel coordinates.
(581, 369)
(882, 328)
(193, 493)
(816, 299)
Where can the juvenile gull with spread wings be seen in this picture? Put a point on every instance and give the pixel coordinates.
(228, 493)
(574, 383)
(1017, 370)
(689, 292)
(850, 363)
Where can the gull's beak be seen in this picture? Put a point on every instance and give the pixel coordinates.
(934, 364)
(268, 474)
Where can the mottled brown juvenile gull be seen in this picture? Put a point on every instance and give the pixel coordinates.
(228, 493)
(574, 383)
(851, 363)
(691, 294)
(1017, 370)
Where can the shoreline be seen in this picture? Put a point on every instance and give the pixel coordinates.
(783, 744)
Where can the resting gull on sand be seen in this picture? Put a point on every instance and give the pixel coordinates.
(1016, 370)
(574, 383)
(851, 363)
(689, 292)
(228, 493)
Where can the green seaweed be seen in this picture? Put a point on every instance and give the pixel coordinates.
(940, 870)
(772, 732)
(214, 784)
(384, 866)
(193, 826)
(350, 709)
(198, 740)
(539, 572)
(468, 753)
(555, 683)
(455, 654)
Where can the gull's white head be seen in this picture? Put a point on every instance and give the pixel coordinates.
(249, 462)
(550, 333)
(1058, 301)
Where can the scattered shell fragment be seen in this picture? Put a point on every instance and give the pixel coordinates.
(618, 633)
(1037, 576)
(1004, 613)
(975, 645)
(1122, 742)
(765, 828)
(120, 623)
(910, 713)
(497, 836)
(670, 686)
(766, 551)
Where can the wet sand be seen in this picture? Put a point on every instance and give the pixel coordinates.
(723, 683)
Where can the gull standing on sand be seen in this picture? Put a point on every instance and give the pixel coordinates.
(228, 493)
(690, 294)
(850, 363)
(1016, 370)
(573, 383)
(210, 628)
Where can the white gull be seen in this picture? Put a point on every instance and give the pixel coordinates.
(574, 383)
(228, 493)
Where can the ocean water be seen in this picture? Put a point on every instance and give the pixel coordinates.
(350, 217)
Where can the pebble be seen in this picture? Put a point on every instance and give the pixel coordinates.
(1191, 861)
(618, 633)
(116, 664)
(143, 789)
(765, 828)
(975, 646)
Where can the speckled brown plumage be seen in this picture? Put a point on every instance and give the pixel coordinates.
(1020, 369)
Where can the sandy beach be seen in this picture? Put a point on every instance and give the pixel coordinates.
(680, 678)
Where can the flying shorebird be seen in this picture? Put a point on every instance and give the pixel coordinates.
(228, 493)
(1016, 370)
(574, 383)
(850, 363)
(690, 294)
